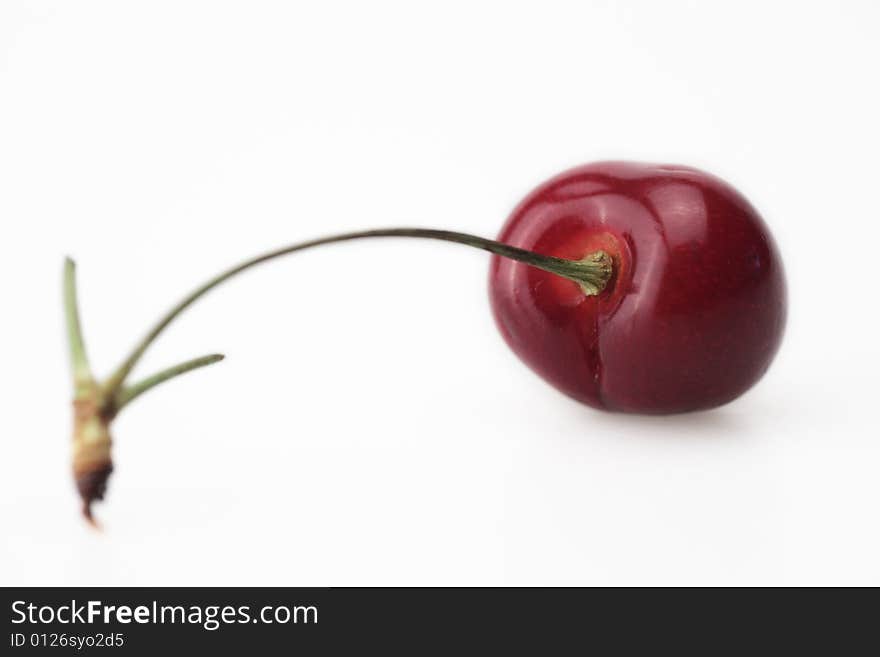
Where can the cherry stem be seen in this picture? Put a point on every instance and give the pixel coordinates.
(129, 393)
(591, 273)
(82, 373)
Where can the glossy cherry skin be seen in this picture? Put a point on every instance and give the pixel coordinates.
(694, 312)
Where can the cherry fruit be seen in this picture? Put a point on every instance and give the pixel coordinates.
(695, 309)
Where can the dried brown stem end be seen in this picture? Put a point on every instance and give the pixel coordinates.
(92, 464)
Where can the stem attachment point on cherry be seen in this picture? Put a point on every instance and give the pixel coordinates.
(593, 272)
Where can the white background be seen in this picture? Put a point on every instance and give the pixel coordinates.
(369, 425)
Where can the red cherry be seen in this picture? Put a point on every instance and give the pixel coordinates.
(696, 307)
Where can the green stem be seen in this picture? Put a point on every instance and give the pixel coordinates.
(82, 373)
(129, 393)
(591, 273)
